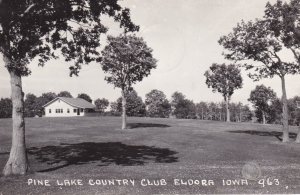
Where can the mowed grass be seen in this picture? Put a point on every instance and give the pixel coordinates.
(96, 148)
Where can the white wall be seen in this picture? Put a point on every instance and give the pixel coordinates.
(59, 104)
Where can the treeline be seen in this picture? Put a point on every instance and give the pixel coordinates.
(274, 112)
(33, 105)
(268, 107)
(156, 105)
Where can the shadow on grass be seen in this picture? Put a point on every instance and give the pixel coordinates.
(276, 134)
(145, 125)
(103, 153)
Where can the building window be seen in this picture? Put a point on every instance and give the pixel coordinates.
(49, 110)
(81, 109)
(58, 110)
(75, 110)
(68, 110)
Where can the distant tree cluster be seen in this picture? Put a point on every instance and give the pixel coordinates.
(268, 107)
(33, 105)
(134, 105)
(274, 112)
(182, 107)
(158, 106)
(217, 111)
(261, 97)
(101, 104)
(5, 108)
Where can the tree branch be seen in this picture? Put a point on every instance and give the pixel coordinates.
(28, 9)
(80, 24)
(295, 54)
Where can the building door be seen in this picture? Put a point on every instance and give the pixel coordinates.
(78, 111)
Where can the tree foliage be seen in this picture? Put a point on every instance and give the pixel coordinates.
(45, 29)
(240, 112)
(85, 97)
(181, 107)
(5, 108)
(217, 111)
(101, 104)
(275, 111)
(294, 111)
(114, 111)
(264, 41)
(202, 110)
(134, 105)
(36, 28)
(30, 108)
(64, 94)
(127, 59)
(157, 104)
(261, 98)
(224, 79)
(42, 100)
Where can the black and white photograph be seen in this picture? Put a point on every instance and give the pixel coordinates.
(111, 97)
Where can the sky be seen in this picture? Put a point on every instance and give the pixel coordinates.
(184, 37)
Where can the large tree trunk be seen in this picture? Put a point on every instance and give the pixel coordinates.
(227, 110)
(285, 117)
(124, 122)
(17, 163)
(264, 117)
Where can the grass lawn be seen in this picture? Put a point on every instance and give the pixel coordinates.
(91, 150)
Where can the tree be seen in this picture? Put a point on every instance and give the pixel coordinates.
(114, 109)
(263, 41)
(5, 108)
(296, 115)
(276, 109)
(101, 104)
(224, 79)
(182, 107)
(176, 98)
(42, 29)
(246, 114)
(202, 110)
(275, 112)
(237, 111)
(134, 104)
(85, 97)
(294, 111)
(30, 105)
(64, 94)
(261, 97)
(213, 111)
(126, 59)
(41, 101)
(157, 104)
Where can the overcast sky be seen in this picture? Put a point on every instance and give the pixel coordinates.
(184, 35)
